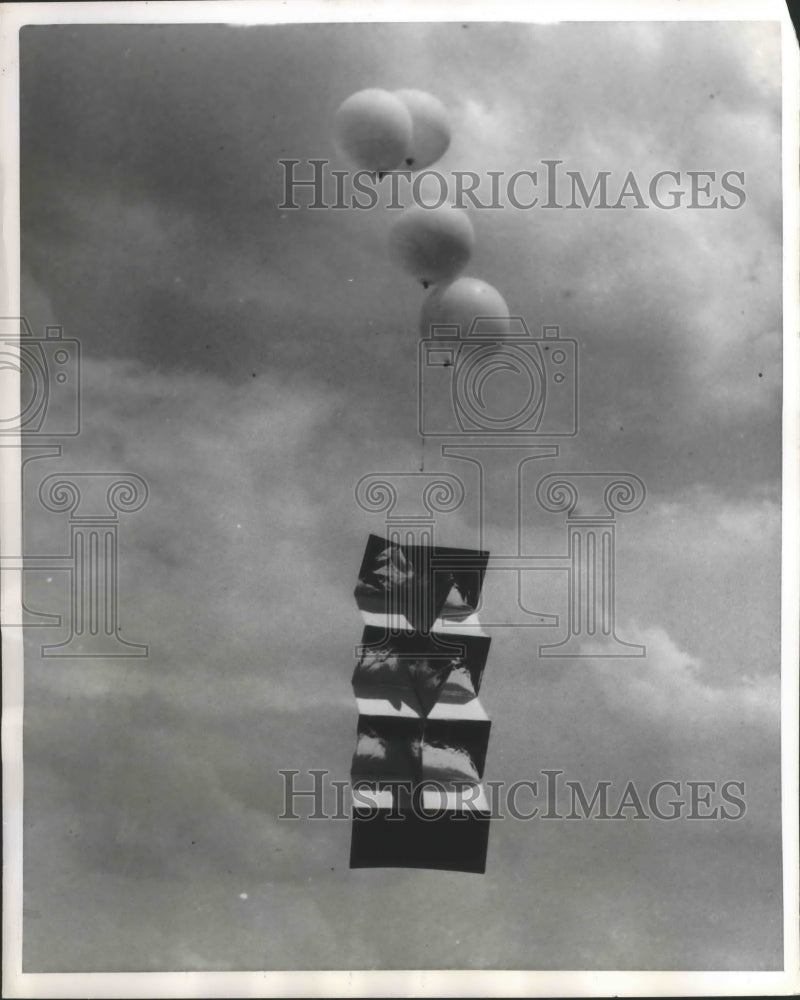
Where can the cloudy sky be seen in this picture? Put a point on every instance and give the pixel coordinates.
(251, 364)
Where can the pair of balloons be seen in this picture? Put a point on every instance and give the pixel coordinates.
(434, 245)
(380, 131)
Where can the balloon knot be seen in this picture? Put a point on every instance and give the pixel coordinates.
(425, 284)
(410, 161)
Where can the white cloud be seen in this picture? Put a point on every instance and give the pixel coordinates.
(447, 763)
(667, 688)
(370, 750)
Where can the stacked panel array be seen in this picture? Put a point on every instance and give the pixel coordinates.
(423, 734)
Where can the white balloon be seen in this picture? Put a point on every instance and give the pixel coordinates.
(430, 136)
(373, 129)
(460, 303)
(432, 244)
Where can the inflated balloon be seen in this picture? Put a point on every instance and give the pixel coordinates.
(460, 303)
(432, 244)
(373, 129)
(430, 136)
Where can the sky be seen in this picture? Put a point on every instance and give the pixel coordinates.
(251, 364)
